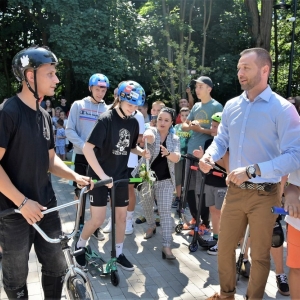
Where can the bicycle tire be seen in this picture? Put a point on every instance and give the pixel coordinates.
(79, 289)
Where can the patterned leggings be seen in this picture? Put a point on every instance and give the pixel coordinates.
(162, 191)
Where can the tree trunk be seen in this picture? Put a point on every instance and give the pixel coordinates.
(170, 59)
(206, 21)
(261, 25)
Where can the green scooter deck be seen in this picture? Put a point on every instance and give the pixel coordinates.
(97, 266)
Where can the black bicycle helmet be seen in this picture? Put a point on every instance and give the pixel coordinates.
(31, 58)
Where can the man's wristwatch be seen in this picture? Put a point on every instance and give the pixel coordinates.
(251, 171)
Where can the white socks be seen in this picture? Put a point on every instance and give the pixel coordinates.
(81, 242)
(129, 215)
(119, 249)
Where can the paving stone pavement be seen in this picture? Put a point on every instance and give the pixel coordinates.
(191, 276)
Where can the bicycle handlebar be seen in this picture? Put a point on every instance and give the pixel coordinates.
(279, 210)
(11, 211)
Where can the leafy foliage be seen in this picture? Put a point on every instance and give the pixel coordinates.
(152, 42)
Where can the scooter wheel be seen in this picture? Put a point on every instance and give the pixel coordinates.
(179, 228)
(88, 249)
(114, 277)
(193, 247)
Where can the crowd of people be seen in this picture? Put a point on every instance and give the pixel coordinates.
(254, 140)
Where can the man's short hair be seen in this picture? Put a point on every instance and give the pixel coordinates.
(187, 100)
(263, 57)
(159, 103)
(184, 109)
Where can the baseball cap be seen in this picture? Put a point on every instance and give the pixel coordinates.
(206, 80)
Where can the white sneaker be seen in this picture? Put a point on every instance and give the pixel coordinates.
(107, 228)
(129, 226)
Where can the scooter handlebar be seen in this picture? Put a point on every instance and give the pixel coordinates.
(279, 211)
(222, 175)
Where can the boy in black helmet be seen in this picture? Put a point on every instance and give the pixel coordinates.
(26, 155)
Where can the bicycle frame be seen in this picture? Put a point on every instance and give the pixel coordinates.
(73, 271)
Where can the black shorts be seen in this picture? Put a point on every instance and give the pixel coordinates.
(98, 196)
(81, 165)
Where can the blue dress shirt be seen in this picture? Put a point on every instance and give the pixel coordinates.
(264, 132)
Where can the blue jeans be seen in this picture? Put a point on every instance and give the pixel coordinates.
(16, 239)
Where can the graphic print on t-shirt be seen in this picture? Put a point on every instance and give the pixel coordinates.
(202, 117)
(124, 139)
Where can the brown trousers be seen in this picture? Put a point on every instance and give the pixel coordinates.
(240, 207)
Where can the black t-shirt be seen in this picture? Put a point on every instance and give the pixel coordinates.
(65, 108)
(160, 166)
(113, 137)
(27, 144)
(212, 179)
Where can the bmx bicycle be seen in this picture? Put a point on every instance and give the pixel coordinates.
(76, 282)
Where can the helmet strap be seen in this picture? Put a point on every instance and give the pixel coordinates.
(101, 101)
(35, 94)
(122, 112)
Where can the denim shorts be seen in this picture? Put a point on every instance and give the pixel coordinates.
(16, 240)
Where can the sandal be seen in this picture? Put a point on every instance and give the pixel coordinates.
(186, 226)
(189, 225)
(140, 220)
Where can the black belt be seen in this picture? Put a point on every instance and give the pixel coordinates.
(266, 186)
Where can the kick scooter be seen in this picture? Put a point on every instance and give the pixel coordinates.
(197, 238)
(96, 264)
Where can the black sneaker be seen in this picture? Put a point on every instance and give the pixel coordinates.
(213, 250)
(124, 263)
(282, 284)
(245, 269)
(98, 235)
(80, 259)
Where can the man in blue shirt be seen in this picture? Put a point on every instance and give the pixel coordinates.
(261, 130)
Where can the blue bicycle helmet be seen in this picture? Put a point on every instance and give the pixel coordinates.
(132, 92)
(99, 80)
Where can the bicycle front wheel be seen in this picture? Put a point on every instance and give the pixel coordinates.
(79, 290)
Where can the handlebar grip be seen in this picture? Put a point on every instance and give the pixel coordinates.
(279, 210)
(218, 174)
(102, 182)
(194, 168)
(7, 212)
(78, 252)
(135, 180)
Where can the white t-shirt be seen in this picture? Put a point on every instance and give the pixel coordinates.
(133, 158)
(294, 178)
